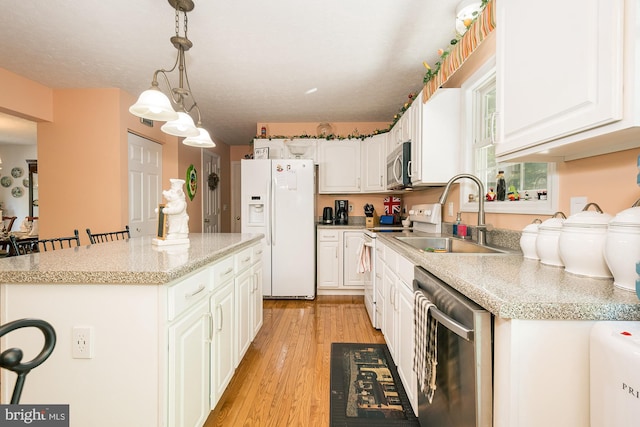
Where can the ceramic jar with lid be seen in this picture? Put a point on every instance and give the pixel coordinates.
(547, 240)
(582, 240)
(528, 240)
(622, 247)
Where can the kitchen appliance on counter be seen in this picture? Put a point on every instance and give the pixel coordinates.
(464, 390)
(398, 167)
(278, 201)
(327, 215)
(342, 212)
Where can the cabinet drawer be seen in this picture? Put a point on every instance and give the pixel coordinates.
(223, 271)
(405, 271)
(243, 259)
(187, 292)
(325, 235)
(257, 252)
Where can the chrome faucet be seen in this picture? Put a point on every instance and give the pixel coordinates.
(482, 227)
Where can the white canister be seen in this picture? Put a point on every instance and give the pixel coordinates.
(622, 248)
(528, 240)
(581, 243)
(547, 240)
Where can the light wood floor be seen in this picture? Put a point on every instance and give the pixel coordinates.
(283, 379)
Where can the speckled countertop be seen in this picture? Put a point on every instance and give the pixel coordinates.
(513, 287)
(134, 261)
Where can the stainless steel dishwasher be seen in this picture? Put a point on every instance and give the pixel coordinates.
(464, 379)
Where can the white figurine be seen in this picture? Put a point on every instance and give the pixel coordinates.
(176, 211)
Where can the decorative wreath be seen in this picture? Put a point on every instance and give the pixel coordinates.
(213, 180)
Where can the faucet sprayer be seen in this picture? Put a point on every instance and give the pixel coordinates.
(481, 227)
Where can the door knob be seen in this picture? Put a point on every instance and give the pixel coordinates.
(206, 220)
(237, 218)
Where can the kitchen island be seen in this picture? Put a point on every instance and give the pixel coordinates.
(166, 326)
(543, 318)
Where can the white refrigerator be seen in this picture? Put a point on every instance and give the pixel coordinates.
(278, 200)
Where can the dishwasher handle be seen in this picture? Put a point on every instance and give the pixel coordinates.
(452, 325)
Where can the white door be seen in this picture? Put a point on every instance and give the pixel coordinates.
(236, 197)
(145, 186)
(211, 198)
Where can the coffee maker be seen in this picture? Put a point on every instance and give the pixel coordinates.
(342, 212)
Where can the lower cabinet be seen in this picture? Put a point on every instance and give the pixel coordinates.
(223, 339)
(337, 260)
(189, 368)
(398, 318)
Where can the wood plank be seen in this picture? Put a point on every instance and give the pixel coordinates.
(284, 378)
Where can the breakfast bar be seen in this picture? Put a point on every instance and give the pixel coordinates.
(163, 327)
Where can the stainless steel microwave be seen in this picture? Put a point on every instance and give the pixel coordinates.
(398, 164)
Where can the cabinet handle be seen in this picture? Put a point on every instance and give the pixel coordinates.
(196, 292)
(492, 129)
(220, 317)
(229, 270)
(210, 326)
(336, 250)
(247, 259)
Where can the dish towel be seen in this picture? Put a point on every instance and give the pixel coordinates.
(364, 258)
(425, 355)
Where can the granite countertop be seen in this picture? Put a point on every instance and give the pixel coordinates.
(512, 287)
(132, 261)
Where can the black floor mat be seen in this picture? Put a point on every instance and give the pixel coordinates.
(366, 389)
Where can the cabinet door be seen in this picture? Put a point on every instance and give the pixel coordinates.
(256, 299)
(329, 254)
(389, 326)
(339, 166)
(405, 343)
(222, 352)
(352, 242)
(546, 92)
(374, 158)
(434, 155)
(189, 374)
(244, 326)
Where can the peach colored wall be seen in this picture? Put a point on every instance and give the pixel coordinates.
(310, 128)
(237, 152)
(25, 98)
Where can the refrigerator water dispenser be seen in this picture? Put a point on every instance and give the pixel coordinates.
(256, 214)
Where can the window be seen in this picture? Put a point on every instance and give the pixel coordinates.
(532, 186)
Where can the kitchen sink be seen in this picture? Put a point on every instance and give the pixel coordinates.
(449, 245)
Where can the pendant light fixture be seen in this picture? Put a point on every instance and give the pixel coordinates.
(153, 104)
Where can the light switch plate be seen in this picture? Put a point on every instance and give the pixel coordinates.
(577, 204)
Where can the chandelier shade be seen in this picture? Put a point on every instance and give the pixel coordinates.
(203, 140)
(152, 104)
(183, 126)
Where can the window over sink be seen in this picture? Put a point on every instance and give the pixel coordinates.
(531, 188)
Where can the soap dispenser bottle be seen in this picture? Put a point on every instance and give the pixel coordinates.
(455, 224)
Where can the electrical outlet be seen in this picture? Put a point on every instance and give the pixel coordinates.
(82, 342)
(350, 208)
(450, 208)
(577, 204)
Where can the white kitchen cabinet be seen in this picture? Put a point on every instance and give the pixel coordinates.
(339, 166)
(189, 367)
(329, 258)
(401, 130)
(435, 139)
(337, 258)
(374, 163)
(275, 146)
(554, 101)
(242, 310)
(405, 343)
(391, 307)
(353, 240)
(222, 306)
(256, 291)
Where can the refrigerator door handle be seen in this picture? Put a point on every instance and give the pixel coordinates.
(272, 219)
(268, 219)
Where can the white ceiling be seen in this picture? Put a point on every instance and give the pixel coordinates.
(252, 60)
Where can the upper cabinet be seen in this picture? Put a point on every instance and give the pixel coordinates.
(561, 70)
(374, 157)
(296, 148)
(435, 137)
(339, 166)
